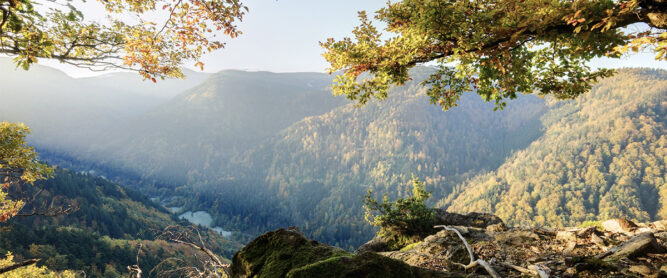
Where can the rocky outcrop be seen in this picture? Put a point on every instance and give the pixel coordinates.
(442, 217)
(287, 253)
(633, 250)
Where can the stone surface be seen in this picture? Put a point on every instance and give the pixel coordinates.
(512, 252)
(584, 233)
(566, 236)
(288, 253)
(495, 228)
(517, 237)
(377, 244)
(473, 219)
(636, 246)
(619, 225)
(641, 270)
(659, 225)
(597, 240)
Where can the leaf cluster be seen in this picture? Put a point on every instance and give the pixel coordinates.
(58, 30)
(18, 163)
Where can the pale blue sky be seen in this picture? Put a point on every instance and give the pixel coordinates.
(283, 36)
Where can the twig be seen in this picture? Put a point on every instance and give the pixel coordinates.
(473, 263)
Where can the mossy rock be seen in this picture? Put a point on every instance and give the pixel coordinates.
(275, 253)
(287, 253)
(368, 265)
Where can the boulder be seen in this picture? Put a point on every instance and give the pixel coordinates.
(410, 257)
(377, 244)
(619, 225)
(275, 253)
(368, 264)
(288, 253)
(634, 247)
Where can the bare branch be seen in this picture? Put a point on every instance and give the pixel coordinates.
(473, 263)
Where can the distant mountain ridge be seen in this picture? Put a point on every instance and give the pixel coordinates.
(66, 113)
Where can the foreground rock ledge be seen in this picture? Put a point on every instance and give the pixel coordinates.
(512, 252)
(287, 253)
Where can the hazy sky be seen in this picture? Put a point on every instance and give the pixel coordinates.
(283, 36)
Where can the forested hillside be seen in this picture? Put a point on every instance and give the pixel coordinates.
(309, 165)
(601, 156)
(260, 150)
(102, 234)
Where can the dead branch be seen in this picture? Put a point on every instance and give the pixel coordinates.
(473, 263)
(135, 268)
(208, 266)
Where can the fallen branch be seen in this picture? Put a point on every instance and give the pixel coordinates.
(473, 263)
(18, 265)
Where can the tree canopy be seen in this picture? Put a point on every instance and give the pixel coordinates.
(18, 162)
(497, 48)
(186, 29)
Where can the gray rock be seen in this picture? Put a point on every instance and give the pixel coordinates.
(377, 244)
(634, 247)
(587, 232)
(659, 225)
(566, 236)
(517, 237)
(619, 225)
(641, 270)
(473, 219)
(596, 239)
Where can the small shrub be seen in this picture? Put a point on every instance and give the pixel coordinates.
(404, 221)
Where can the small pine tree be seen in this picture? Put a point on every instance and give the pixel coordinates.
(403, 221)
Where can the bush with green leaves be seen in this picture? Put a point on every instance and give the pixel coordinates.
(404, 221)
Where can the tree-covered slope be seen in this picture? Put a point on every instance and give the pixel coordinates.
(314, 172)
(103, 235)
(601, 156)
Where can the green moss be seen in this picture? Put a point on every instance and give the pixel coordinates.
(590, 223)
(364, 265)
(275, 253)
(398, 241)
(285, 253)
(410, 246)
